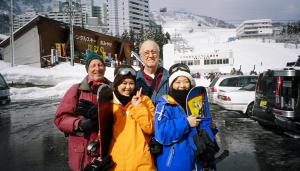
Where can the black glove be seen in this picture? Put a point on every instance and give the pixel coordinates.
(155, 147)
(87, 109)
(88, 125)
(103, 165)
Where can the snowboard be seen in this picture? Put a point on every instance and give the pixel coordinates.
(105, 118)
(99, 148)
(197, 102)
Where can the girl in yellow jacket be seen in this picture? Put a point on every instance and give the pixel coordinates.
(133, 124)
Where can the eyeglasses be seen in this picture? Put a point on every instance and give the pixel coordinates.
(147, 53)
(177, 67)
(126, 71)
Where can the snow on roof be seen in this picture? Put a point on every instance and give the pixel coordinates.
(2, 37)
(21, 28)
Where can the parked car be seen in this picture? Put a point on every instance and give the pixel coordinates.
(277, 99)
(228, 83)
(4, 91)
(238, 100)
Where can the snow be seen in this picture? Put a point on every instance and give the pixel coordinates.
(246, 52)
(60, 78)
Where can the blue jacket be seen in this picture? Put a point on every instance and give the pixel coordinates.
(172, 130)
(163, 87)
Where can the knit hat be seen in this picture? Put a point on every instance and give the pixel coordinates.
(180, 70)
(91, 55)
(122, 72)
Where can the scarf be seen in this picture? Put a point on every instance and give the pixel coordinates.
(180, 97)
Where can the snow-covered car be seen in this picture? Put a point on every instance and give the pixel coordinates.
(238, 100)
(228, 83)
(4, 91)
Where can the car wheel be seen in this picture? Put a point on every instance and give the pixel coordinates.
(249, 109)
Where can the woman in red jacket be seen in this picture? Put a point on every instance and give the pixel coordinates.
(77, 116)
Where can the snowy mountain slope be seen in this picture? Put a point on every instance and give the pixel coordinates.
(207, 38)
(184, 21)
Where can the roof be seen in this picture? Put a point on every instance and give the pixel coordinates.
(29, 25)
(32, 23)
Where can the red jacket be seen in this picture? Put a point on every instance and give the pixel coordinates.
(67, 122)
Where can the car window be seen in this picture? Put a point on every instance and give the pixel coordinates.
(249, 87)
(230, 82)
(2, 82)
(214, 82)
(267, 86)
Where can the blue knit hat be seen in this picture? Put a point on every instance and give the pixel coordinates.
(91, 55)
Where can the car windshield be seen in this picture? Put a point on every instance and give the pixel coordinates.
(249, 87)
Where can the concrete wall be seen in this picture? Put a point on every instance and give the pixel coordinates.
(27, 49)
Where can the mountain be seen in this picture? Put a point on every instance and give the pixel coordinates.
(186, 21)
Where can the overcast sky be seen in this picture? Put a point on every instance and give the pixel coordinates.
(235, 11)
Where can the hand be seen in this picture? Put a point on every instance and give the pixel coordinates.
(136, 99)
(193, 121)
(87, 109)
(213, 125)
(88, 125)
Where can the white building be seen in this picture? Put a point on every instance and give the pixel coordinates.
(126, 15)
(20, 20)
(203, 63)
(255, 28)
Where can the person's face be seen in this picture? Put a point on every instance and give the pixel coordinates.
(126, 87)
(149, 54)
(96, 70)
(181, 83)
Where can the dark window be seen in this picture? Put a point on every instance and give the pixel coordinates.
(214, 82)
(230, 82)
(266, 85)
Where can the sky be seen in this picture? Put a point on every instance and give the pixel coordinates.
(235, 11)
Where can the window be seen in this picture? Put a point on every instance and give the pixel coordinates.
(213, 61)
(267, 85)
(230, 82)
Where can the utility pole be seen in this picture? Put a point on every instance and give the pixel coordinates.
(12, 48)
(71, 33)
(71, 8)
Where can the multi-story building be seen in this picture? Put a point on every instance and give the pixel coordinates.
(255, 28)
(127, 15)
(20, 20)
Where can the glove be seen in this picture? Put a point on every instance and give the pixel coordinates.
(88, 125)
(103, 165)
(87, 109)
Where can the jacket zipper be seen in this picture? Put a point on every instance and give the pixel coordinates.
(171, 155)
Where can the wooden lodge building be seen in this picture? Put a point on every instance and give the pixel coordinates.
(38, 39)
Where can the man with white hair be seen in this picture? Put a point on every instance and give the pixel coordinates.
(152, 78)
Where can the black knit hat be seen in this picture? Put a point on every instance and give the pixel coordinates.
(122, 72)
(91, 55)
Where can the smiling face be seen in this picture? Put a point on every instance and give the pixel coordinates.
(150, 54)
(181, 83)
(126, 87)
(96, 70)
